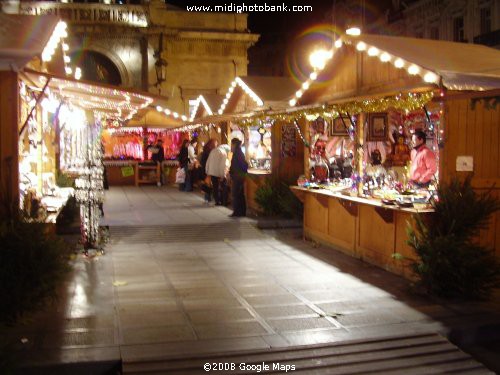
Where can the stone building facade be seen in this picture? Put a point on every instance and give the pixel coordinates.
(120, 44)
(469, 21)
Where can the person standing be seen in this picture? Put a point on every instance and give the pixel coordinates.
(237, 171)
(206, 185)
(192, 164)
(158, 156)
(184, 162)
(423, 161)
(216, 170)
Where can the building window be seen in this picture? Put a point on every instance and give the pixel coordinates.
(485, 20)
(434, 34)
(458, 29)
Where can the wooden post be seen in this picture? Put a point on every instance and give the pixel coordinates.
(9, 152)
(304, 127)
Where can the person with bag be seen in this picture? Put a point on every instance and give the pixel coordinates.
(206, 185)
(192, 164)
(238, 171)
(182, 172)
(215, 169)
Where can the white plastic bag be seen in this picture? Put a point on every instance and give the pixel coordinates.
(180, 176)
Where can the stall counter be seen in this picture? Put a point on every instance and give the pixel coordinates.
(360, 227)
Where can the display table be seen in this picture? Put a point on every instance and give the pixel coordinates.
(360, 227)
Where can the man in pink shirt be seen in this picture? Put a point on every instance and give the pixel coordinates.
(423, 161)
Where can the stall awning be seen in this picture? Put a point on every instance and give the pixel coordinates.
(134, 108)
(462, 66)
(23, 37)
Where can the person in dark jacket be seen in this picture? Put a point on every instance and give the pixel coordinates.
(206, 187)
(238, 171)
(183, 161)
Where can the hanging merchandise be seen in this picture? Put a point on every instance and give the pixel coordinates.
(90, 187)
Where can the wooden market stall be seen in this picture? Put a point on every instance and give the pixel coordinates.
(127, 149)
(271, 145)
(382, 89)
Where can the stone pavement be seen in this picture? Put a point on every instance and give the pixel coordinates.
(180, 277)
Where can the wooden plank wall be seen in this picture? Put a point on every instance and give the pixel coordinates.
(9, 158)
(475, 132)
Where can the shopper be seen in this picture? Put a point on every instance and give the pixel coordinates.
(184, 162)
(216, 169)
(192, 164)
(206, 183)
(238, 171)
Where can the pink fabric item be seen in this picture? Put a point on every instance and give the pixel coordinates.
(423, 165)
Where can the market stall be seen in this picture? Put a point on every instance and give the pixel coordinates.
(380, 92)
(270, 144)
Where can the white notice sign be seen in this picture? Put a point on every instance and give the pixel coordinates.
(465, 164)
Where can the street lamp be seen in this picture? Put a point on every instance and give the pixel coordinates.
(160, 65)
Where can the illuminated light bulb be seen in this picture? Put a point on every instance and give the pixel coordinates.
(167, 111)
(399, 63)
(68, 70)
(430, 77)
(225, 101)
(318, 58)
(175, 114)
(159, 108)
(231, 89)
(313, 76)
(228, 95)
(220, 111)
(78, 73)
(65, 47)
(184, 118)
(338, 43)
(260, 103)
(385, 57)
(233, 84)
(305, 85)
(354, 31)
(46, 56)
(361, 46)
(292, 102)
(67, 59)
(298, 94)
(413, 69)
(373, 51)
(64, 34)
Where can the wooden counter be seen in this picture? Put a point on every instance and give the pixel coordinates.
(117, 177)
(360, 227)
(254, 180)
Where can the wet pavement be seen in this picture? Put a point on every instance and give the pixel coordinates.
(180, 277)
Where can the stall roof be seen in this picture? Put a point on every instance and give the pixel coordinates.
(265, 91)
(23, 37)
(462, 66)
(206, 105)
(112, 101)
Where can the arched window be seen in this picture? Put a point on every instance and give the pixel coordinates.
(96, 67)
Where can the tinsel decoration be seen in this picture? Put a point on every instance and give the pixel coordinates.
(403, 102)
(89, 189)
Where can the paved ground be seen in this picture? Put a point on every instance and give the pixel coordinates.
(181, 277)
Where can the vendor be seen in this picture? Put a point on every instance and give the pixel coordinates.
(423, 161)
